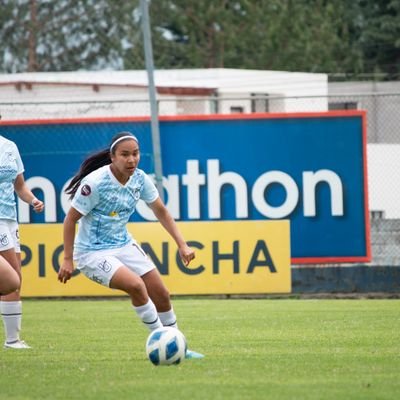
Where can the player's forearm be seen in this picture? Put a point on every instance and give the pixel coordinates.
(69, 237)
(25, 194)
(170, 226)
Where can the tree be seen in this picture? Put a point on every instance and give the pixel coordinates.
(335, 36)
(349, 37)
(67, 35)
(379, 37)
(273, 34)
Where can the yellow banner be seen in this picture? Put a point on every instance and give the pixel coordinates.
(232, 257)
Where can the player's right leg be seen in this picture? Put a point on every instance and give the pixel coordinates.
(105, 268)
(126, 280)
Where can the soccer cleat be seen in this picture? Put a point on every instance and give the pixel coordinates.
(18, 344)
(190, 354)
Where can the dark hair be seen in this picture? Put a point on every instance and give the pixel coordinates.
(94, 162)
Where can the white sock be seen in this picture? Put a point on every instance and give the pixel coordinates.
(168, 318)
(148, 314)
(11, 311)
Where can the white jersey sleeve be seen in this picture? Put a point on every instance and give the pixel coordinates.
(86, 197)
(18, 160)
(150, 192)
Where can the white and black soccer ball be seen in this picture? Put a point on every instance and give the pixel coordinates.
(166, 346)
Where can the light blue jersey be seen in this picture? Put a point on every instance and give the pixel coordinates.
(106, 206)
(10, 167)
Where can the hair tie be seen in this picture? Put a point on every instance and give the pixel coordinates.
(123, 138)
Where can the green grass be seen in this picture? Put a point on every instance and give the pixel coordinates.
(255, 349)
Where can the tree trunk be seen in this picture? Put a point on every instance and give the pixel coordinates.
(32, 59)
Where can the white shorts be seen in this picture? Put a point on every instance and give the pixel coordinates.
(101, 265)
(9, 235)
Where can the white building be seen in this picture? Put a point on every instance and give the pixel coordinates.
(381, 100)
(184, 91)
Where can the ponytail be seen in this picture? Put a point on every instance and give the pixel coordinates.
(92, 163)
(96, 161)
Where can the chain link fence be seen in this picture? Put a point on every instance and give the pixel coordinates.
(383, 117)
(383, 136)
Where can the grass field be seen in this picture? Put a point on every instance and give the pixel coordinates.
(255, 349)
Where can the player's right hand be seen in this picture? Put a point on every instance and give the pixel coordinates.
(66, 270)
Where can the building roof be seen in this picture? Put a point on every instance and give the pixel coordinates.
(189, 80)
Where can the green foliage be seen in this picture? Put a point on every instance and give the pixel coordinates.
(380, 36)
(68, 35)
(255, 349)
(336, 36)
(303, 35)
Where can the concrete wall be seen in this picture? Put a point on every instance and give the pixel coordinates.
(382, 275)
(385, 242)
(355, 280)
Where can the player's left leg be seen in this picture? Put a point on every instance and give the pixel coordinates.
(134, 257)
(9, 279)
(161, 298)
(11, 306)
(160, 295)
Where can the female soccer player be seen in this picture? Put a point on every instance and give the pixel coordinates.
(104, 195)
(12, 181)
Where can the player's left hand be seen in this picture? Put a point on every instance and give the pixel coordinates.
(38, 206)
(187, 254)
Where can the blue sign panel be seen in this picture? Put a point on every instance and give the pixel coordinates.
(308, 168)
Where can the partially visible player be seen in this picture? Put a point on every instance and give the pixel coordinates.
(104, 194)
(12, 182)
(9, 279)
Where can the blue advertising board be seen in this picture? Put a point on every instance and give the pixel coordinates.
(308, 168)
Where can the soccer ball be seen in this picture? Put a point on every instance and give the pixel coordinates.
(166, 346)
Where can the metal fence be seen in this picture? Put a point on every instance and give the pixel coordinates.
(383, 109)
(383, 136)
